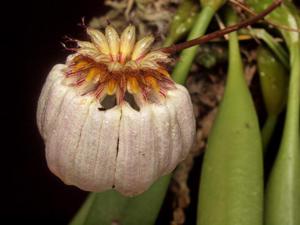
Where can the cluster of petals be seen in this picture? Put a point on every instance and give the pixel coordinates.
(113, 65)
(131, 143)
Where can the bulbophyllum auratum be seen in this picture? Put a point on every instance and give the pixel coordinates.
(111, 116)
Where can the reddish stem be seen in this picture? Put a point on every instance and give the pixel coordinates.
(200, 40)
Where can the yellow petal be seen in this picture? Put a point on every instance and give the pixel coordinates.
(92, 73)
(153, 83)
(111, 87)
(80, 65)
(99, 40)
(142, 47)
(133, 85)
(152, 59)
(113, 42)
(86, 44)
(163, 71)
(127, 42)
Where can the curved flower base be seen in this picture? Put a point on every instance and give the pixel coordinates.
(119, 148)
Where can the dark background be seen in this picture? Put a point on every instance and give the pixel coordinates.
(35, 29)
(32, 34)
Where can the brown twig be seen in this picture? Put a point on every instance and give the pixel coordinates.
(175, 48)
(247, 9)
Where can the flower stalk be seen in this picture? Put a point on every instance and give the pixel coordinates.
(191, 43)
(187, 56)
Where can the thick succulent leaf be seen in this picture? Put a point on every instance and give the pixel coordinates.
(111, 207)
(231, 186)
(282, 201)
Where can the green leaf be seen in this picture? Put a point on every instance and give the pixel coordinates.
(282, 203)
(187, 56)
(108, 207)
(231, 185)
(183, 21)
(277, 49)
(274, 83)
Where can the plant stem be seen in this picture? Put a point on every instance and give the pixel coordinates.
(220, 33)
(182, 22)
(187, 56)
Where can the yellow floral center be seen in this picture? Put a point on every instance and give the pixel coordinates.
(115, 65)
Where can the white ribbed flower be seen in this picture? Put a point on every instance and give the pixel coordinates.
(111, 117)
